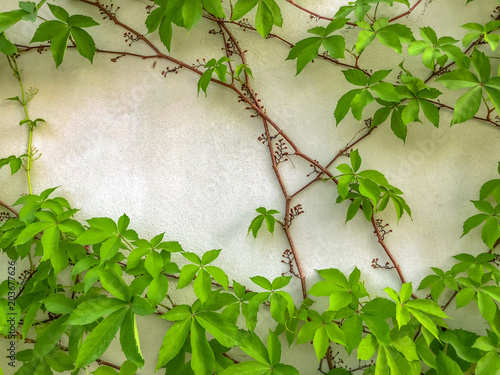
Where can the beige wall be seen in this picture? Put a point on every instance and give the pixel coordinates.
(121, 138)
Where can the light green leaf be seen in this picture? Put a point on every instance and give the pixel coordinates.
(459, 78)
(203, 359)
(100, 338)
(93, 309)
(220, 327)
(154, 263)
(129, 340)
(367, 347)
(242, 7)
(114, 284)
(247, 368)
(187, 275)
(489, 364)
(158, 289)
(173, 341)
(202, 285)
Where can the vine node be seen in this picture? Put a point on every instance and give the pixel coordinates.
(171, 70)
(294, 212)
(376, 265)
(289, 259)
(382, 228)
(280, 154)
(315, 168)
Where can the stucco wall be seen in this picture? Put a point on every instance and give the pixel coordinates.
(121, 138)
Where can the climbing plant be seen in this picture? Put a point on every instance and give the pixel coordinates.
(87, 282)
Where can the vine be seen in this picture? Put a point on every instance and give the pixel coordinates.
(78, 284)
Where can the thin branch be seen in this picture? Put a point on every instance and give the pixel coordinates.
(5, 205)
(406, 13)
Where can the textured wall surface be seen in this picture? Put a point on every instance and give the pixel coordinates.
(121, 138)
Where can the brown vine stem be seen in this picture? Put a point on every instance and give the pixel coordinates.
(290, 44)
(5, 205)
(288, 198)
(340, 153)
(319, 16)
(406, 13)
(389, 253)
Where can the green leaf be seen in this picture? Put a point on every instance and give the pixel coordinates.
(30, 316)
(353, 209)
(202, 285)
(142, 306)
(203, 359)
(481, 64)
(335, 46)
(356, 77)
(100, 338)
(280, 282)
(367, 347)
(386, 91)
(467, 105)
(262, 282)
(8, 48)
(247, 368)
(187, 275)
(129, 340)
(489, 364)
(447, 366)
(93, 309)
(321, 342)
(59, 13)
(158, 289)
(242, 7)
(59, 304)
(84, 43)
(410, 112)
(264, 19)
(428, 306)
(490, 232)
(305, 51)
(50, 241)
(58, 46)
(278, 307)
(459, 78)
(359, 102)
(214, 7)
(365, 37)
(81, 21)
(46, 341)
(344, 104)
(430, 111)
(173, 341)
(462, 341)
(352, 328)
(210, 256)
(219, 276)
(154, 263)
(8, 19)
(397, 125)
(30, 231)
(369, 189)
(464, 296)
(220, 327)
(114, 284)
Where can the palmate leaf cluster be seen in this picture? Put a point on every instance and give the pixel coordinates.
(91, 282)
